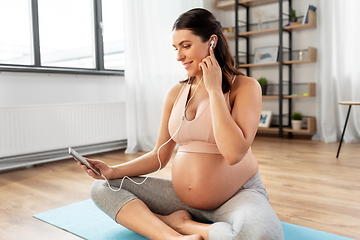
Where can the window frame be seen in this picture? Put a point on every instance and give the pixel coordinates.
(36, 66)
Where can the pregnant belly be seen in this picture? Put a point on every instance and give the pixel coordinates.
(205, 181)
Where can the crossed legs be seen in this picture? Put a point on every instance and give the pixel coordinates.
(136, 216)
(148, 209)
(153, 210)
(181, 221)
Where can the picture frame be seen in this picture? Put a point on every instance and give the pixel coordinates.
(265, 118)
(266, 54)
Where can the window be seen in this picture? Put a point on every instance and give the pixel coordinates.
(82, 36)
(15, 40)
(113, 34)
(66, 33)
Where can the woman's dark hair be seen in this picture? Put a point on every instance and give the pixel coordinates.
(203, 24)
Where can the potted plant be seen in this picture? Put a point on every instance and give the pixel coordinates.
(263, 83)
(296, 120)
(293, 17)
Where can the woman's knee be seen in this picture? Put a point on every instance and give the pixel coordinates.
(97, 190)
(250, 217)
(107, 200)
(244, 227)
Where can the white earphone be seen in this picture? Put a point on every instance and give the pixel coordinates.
(212, 43)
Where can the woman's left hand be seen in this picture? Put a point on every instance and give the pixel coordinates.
(211, 72)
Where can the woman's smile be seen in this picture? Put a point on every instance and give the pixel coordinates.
(187, 64)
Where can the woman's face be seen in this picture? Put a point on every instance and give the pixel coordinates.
(190, 50)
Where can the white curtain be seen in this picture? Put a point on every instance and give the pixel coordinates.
(151, 66)
(339, 69)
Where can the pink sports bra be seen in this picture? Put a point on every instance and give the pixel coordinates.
(196, 135)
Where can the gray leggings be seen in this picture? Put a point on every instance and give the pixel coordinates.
(246, 215)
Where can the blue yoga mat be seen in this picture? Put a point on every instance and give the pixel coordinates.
(85, 220)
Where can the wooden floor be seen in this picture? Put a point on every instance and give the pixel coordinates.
(306, 185)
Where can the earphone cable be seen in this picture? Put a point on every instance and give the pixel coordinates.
(158, 151)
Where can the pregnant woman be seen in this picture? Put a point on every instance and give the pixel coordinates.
(216, 191)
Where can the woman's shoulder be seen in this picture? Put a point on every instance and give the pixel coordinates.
(174, 91)
(244, 83)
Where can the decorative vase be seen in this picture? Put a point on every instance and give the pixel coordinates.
(293, 19)
(296, 124)
(264, 89)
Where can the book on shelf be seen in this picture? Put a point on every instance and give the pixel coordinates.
(306, 15)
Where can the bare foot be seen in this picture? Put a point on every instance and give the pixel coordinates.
(176, 220)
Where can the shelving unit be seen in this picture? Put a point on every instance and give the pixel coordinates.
(311, 58)
(247, 3)
(285, 58)
(310, 127)
(310, 93)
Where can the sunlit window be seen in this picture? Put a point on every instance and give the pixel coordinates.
(15, 28)
(113, 34)
(66, 33)
(62, 36)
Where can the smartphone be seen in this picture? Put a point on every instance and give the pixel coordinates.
(83, 160)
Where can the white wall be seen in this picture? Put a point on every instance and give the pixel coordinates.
(17, 89)
(40, 88)
(301, 40)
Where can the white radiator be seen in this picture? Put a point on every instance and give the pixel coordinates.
(32, 129)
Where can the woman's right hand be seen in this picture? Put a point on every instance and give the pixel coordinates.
(105, 169)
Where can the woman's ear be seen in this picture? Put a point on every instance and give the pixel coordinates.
(213, 40)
